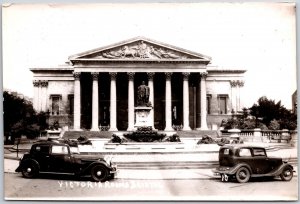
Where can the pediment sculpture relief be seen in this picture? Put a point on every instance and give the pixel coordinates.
(141, 51)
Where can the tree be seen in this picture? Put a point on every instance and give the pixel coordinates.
(267, 110)
(20, 118)
(264, 114)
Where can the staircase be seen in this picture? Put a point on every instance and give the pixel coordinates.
(88, 134)
(198, 133)
(106, 134)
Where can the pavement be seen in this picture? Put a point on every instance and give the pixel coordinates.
(169, 165)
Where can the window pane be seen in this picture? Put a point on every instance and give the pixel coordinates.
(208, 101)
(259, 152)
(245, 153)
(71, 104)
(223, 109)
(55, 105)
(59, 150)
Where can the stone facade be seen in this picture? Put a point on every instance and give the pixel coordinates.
(99, 88)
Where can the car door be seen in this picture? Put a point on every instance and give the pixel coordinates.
(262, 162)
(41, 155)
(244, 155)
(60, 160)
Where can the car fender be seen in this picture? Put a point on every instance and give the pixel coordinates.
(281, 167)
(23, 162)
(96, 163)
(234, 169)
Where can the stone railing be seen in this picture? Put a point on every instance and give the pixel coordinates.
(265, 135)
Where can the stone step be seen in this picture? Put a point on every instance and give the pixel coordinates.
(107, 134)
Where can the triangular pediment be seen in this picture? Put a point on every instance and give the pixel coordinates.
(140, 48)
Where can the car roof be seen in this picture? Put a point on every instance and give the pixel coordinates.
(45, 142)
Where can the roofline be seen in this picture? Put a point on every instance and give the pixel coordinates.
(227, 70)
(35, 69)
(142, 60)
(136, 39)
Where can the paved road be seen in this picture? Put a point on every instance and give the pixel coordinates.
(64, 187)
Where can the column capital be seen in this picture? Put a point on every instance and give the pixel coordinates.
(130, 75)
(168, 75)
(113, 75)
(233, 83)
(203, 75)
(150, 75)
(76, 75)
(36, 83)
(95, 75)
(185, 75)
(241, 83)
(44, 83)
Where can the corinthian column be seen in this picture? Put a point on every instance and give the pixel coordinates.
(203, 101)
(113, 102)
(95, 103)
(186, 109)
(44, 85)
(168, 108)
(240, 97)
(233, 85)
(151, 96)
(130, 101)
(77, 103)
(36, 99)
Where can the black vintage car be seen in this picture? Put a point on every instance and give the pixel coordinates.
(242, 162)
(55, 157)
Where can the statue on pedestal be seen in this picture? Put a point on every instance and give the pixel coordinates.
(143, 95)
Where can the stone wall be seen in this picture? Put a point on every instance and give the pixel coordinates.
(63, 89)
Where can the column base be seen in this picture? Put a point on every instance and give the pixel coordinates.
(77, 129)
(94, 129)
(113, 129)
(186, 128)
(168, 129)
(131, 129)
(202, 128)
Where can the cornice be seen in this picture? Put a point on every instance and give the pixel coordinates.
(146, 61)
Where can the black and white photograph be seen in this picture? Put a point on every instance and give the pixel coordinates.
(150, 101)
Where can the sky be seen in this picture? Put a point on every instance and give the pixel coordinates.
(257, 37)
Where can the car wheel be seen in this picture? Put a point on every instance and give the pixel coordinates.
(99, 173)
(287, 174)
(30, 170)
(242, 175)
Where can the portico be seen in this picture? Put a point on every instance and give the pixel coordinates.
(105, 82)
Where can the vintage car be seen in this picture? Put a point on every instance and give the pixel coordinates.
(56, 157)
(241, 162)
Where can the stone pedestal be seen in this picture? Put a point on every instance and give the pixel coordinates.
(234, 133)
(257, 136)
(294, 138)
(143, 117)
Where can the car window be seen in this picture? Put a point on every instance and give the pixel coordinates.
(245, 152)
(259, 152)
(225, 151)
(59, 149)
(44, 149)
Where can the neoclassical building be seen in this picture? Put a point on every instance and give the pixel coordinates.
(97, 89)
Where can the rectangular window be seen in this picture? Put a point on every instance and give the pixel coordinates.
(55, 106)
(71, 104)
(208, 103)
(59, 149)
(222, 104)
(244, 152)
(42, 149)
(259, 152)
